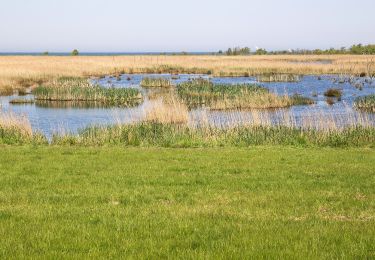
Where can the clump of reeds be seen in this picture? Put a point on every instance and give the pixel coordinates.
(365, 103)
(15, 129)
(333, 92)
(156, 83)
(16, 101)
(23, 92)
(26, 71)
(330, 101)
(171, 111)
(299, 100)
(274, 77)
(71, 104)
(174, 135)
(201, 92)
(80, 90)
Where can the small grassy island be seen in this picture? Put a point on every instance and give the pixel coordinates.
(76, 89)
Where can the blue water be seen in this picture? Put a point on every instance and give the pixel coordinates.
(52, 119)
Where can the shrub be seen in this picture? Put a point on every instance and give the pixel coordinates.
(75, 52)
(333, 92)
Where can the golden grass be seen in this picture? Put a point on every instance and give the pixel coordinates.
(12, 122)
(26, 71)
(316, 119)
(255, 101)
(167, 112)
(156, 83)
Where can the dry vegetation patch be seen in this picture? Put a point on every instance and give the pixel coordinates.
(17, 72)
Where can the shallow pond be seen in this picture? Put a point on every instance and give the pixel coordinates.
(52, 117)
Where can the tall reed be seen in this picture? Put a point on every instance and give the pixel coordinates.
(25, 71)
(15, 129)
(365, 103)
(156, 83)
(200, 92)
(79, 90)
(274, 77)
(175, 135)
(167, 112)
(254, 128)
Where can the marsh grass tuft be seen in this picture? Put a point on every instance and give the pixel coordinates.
(274, 77)
(174, 135)
(202, 92)
(15, 129)
(156, 83)
(333, 92)
(25, 71)
(330, 101)
(16, 101)
(366, 103)
(167, 112)
(80, 90)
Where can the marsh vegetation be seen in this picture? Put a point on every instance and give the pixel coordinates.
(22, 101)
(273, 77)
(200, 92)
(365, 103)
(168, 124)
(15, 129)
(333, 92)
(156, 83)
(175, 135)
(80, 90)
(142, 198)
(20, 72)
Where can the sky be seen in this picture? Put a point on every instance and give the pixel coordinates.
(183, 25)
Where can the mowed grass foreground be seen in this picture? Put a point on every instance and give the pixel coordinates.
(113, 202)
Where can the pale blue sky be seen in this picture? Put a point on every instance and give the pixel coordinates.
(189, 25)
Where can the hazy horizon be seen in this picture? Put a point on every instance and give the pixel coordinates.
(192, 26)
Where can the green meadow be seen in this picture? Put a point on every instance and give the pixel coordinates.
(271, 202)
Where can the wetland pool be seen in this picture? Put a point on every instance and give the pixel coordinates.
(59, 117)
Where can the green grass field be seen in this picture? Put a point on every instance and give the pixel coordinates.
(113, 202)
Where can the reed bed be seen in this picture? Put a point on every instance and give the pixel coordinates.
(172, 135)
(20, 101)
(15, 129)
(168, 124)
(272, 77)
(167, 112)
(80, 90)
(333, 92)
(365, 103)
(156, 83)
(201, 92)
(29, 71)
(238, 130)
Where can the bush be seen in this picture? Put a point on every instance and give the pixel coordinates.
(333, 92)
(75, 52)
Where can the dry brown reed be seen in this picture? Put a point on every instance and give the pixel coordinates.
(27, 71)
(255, 101)
(12, 122)
(313, 119)
(169, 111)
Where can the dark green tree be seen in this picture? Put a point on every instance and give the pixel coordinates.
(75, 52)
(261, 52)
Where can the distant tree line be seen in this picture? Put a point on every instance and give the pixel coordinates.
(237, 51)
(355, 49)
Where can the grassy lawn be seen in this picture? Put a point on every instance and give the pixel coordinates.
(112, 202)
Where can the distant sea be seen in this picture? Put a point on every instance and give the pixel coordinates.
(99, 53)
